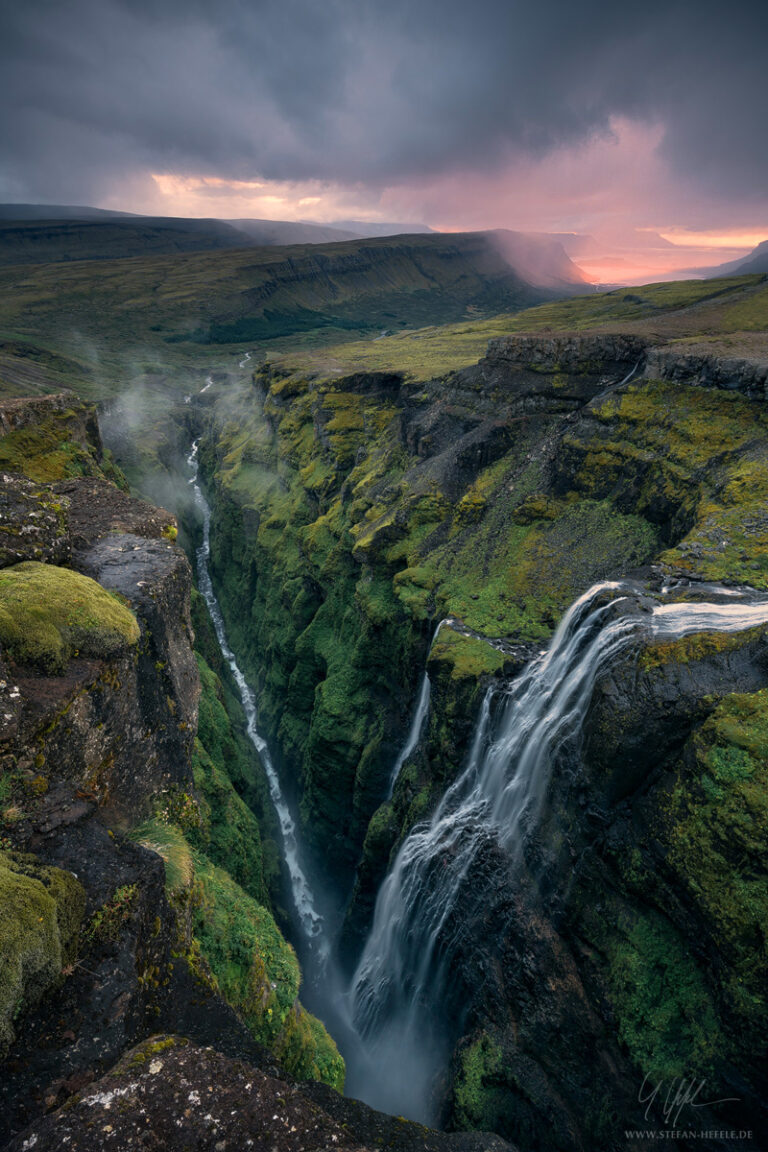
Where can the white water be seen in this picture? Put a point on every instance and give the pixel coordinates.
(419, 719)
(398, 991)
(245, 361)
(309, 919)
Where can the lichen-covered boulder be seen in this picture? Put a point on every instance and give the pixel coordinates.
(171, 1095)
(33, 522)
(48, 614)
(42, 909)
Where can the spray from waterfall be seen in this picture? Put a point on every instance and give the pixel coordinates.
(398, 989)
(309, 919)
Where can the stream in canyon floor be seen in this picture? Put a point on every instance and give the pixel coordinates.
(309, 918)
(388, 1020)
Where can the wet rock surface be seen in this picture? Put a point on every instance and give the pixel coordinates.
(170, 1094)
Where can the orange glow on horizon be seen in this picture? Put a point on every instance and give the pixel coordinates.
(730, 238)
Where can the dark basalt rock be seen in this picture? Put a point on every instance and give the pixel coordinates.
(640, 714)
(562, 368)
(172, 1095)
(34, 523)
(732, 373)
(97, 508)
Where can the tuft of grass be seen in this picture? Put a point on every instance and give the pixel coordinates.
(167, 841)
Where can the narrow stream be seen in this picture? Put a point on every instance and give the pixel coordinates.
(309, 919)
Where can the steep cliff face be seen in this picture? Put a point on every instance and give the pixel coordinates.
(111, 924)
(734, 373)
(355, 513)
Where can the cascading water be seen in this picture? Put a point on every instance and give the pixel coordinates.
(419, 719)
(309, 919)
(399, 987)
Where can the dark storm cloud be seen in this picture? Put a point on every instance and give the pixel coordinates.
(95, 91)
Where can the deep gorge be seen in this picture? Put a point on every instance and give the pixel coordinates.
(617, 907)
(339, 538)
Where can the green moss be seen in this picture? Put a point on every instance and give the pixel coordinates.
(46, 451)
(481, 1089)
(49, 614)
(307, 1050)
(468, 657)
(42, 909)
(258, 973)
(229, 831)
(698, 646)
(665, 1012)
(144, 1052)
(717, 837)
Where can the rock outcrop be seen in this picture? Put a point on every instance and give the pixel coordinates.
(172, 1095)
(731, 373)
(101, 763)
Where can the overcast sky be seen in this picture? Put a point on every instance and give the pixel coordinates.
(538, 114)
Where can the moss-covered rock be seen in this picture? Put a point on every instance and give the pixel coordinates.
(48, 438)
(665, 1011)
(715, 830)
(481, 1086)
(42, 909)
(258, 973)
(233, 807)
(49, 614)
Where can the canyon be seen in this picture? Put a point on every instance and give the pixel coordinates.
(614, 901)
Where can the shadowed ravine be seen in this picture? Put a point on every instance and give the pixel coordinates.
(303, 899)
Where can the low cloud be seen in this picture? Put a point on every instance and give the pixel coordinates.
(376, 98)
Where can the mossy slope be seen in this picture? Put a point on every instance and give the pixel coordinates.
(258, 973)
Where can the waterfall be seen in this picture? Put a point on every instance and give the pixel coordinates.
(397, 992)
(309, 919)
(419, 718)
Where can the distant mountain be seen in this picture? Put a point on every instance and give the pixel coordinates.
(58, 233)
(575, 244)
(276, 232)
(756, 262)
(539, 258)
(56, 212)
(249, 295)
(40, 241)
(270, 232)
(364, 229)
